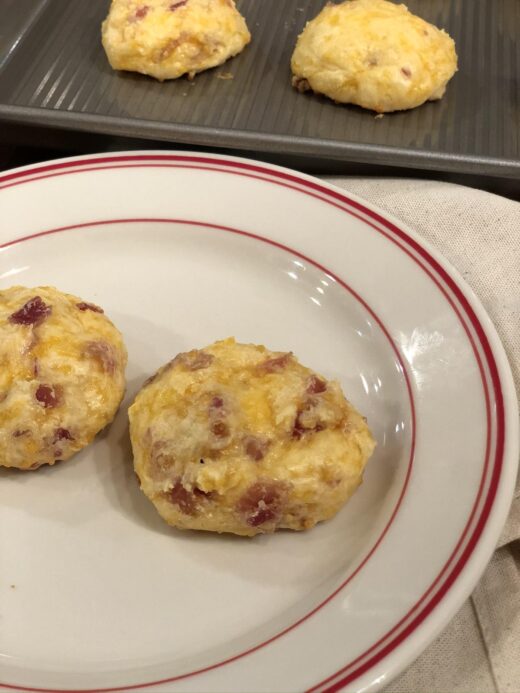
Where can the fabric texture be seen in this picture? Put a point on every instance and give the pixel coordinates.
(479, 233)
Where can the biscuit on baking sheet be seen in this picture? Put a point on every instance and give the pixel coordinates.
(236, 438)
(62, 375)
(375, 54)
(169, 38)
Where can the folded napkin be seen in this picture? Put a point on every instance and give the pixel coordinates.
(479, 233)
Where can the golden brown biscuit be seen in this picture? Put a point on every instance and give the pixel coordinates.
(236, 438)
(375, 54)
(170, 38)
(62, 365)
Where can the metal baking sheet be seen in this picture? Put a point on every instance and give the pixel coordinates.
(54, 73)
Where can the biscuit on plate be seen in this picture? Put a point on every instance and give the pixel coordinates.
(375, 54)
(62, 375)
(236, 438)
(170, 38)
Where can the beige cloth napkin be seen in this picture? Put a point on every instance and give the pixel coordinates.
(479, 233)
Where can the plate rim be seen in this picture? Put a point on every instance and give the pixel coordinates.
(486, 332)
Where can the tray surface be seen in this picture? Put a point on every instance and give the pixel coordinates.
(53, 71)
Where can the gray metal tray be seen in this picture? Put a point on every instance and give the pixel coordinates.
(54, 73)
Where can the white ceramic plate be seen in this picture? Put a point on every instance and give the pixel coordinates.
(96, 591)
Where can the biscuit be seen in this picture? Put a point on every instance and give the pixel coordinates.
(374, 54)
(166, 39)
(62, 379)
(236, 438)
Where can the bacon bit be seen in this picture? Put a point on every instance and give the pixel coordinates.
(157, 448)
(256, 447)
(89, 306)
(406, 72)
(62, 434)
(262, 502)
(301, 84)
(104, 353)
(217, 423)
(300, 426)
(175, 5)
(220, 429)
(299, 429)
(193, 360)
(171, 46)
(140, 13)
(36, 368)
(57, 453)
(160, 461)
(184, 499)
(33, 312)
(19, 434)
(49, 395)
(275, 364)
(315, 385)
(181, 497)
